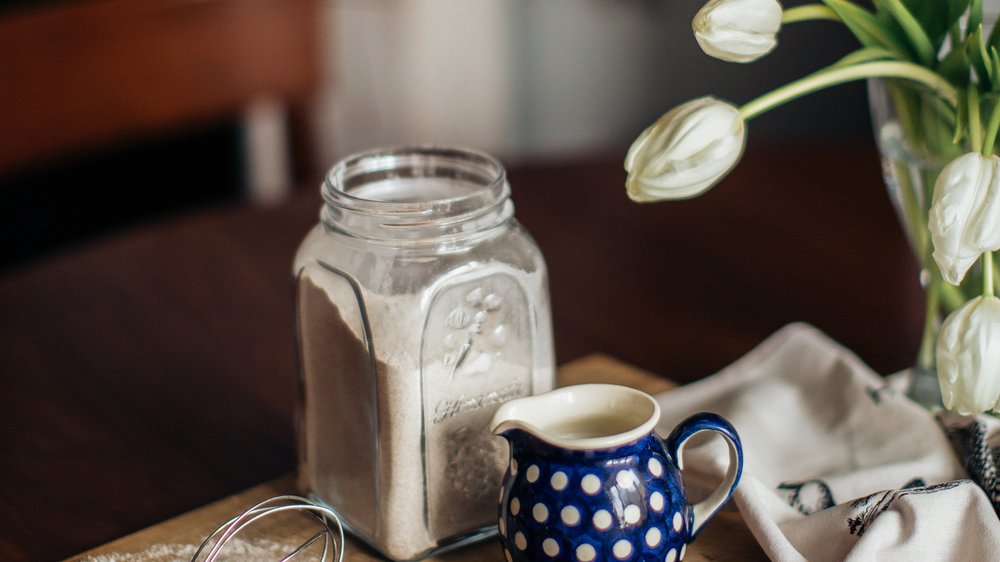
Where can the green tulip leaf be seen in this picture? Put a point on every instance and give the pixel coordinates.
(994, 38)
(995, 65)
(870, 30)
(912, 28)
(975, 48)
(955, 67)
(975, 15)
(935, 17)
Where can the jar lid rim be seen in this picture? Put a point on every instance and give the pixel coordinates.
(410, 156)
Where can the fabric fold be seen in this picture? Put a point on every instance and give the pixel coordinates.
(838, 465)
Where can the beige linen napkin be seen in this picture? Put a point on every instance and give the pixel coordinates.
(838, 465)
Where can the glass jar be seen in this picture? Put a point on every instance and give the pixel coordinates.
(422, 305)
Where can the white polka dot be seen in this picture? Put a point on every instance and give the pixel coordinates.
(570, 516)
(625, 479)
(653, 537)
(655, 468)
(590, 484)
(500, 499)
(520, 541)
(559, 481)
(656, 501)
(671, 556)
(632, 514)
(678, 521)
(515, 506)
(602, 520)
(502, 527)
(550, 547)
(585, 553)
(532, 473)
(506, 553)
(513, 467)
(622, 549)
(683, 550)
(540, 512)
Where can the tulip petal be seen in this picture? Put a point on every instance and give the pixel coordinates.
(968, 357)
(964, 219)
(738, 30)
(687, 151)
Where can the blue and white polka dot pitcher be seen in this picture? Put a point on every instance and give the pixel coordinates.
(589, 480)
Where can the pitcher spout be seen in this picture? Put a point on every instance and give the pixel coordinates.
(510, 416)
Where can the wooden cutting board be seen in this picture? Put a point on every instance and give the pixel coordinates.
(725, 537)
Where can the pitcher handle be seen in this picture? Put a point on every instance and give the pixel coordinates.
(707, 421)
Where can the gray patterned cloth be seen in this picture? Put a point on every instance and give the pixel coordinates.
(838, 464)
(976, 442)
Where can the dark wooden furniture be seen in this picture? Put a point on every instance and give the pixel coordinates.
(154, 372)
(87, 73)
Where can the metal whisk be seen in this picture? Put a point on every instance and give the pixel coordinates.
(278, 504)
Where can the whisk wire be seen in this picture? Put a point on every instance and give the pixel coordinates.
(325, 534)
(225, 532)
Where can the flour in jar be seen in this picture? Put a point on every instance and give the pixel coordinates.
(399, 393)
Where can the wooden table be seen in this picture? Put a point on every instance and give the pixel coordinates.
(725, 537)
(153, 372)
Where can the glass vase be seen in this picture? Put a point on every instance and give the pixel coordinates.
(914, 131)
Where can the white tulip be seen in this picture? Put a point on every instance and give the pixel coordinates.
(738, 30)
(968, 357)
(964, 219)
(686, 151)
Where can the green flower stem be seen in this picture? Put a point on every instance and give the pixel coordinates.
(915, 218)
(940, 120)
(832, 76)
(988, 274)
(907, 104)
(808, 12)
(975, 125)
(952, 297)
(925, 356)
(996, 274)
(991, 130)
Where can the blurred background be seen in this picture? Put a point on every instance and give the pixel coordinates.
(118, 112)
